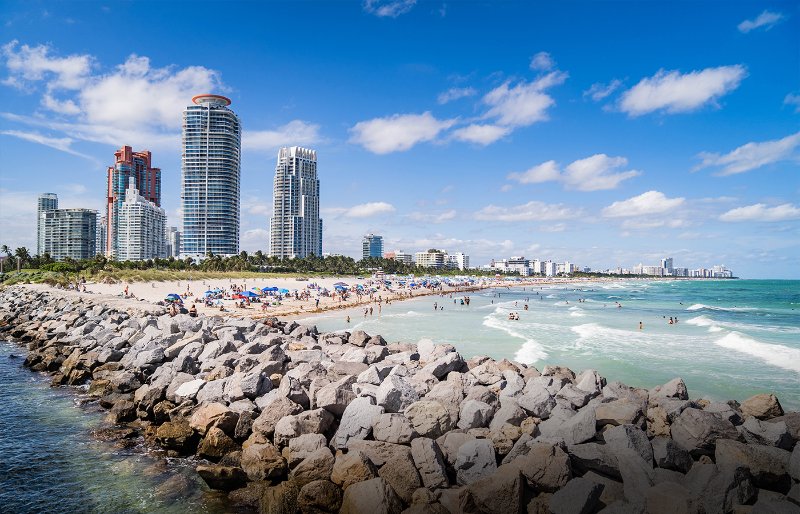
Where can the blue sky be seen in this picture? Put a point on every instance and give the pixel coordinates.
(604, 133)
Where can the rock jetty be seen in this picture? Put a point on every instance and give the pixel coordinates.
(286, 419)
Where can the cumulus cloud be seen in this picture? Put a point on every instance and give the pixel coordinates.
(766, 19)
(794, 100)
(367, 210)
(433, 217)
(524, 103)
(599, 91)
(133, 101)
(255, 239)
(542, 61)
(481, 134)
(674, 92)
(531, 211)
(595, 173)
(651, 202)
(761, 212)
(456, 93)
(752, 155)
(398, 132)
(388, 8)
(295, 132)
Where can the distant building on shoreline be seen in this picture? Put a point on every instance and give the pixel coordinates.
(141, 229)
(431, 259)
(67, 233)
(130, 169)
(173, 242)
(295, 228)
(46, 202)
(400, 256)
(372, 246)
(101, 236)
(210, 178)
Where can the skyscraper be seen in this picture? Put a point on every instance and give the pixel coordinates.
(173, 242)
(372, 246)
(141, 228)
(69, 233)
(210, 177)
(130, 169)
(47, 202)
(295, 228)
(100, 238)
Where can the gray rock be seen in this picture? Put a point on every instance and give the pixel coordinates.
(393, 428)
(667, 454)
(429, 462)
(475, 460)
(444, 365)
(579, 496)
(272, 412)
(508, 413)
(401, 474)
(619, 412)
(629, 437)
(768, 465)
(450, 442)
(545, 467)
(637, 476)
(474, 414)
(336, 396)
(292, 389)
(594, 457)
(573, 396)
(212, 392)
(675, 388)
(429, 418)
(794, 463)
(501, 493)
(372, 496)
(668, 498)
(575, 430)
(317, 466)
(698, 431)
(357, 421)
(396, 393)
(762, 406)
(538, 402)
(302, 447)
(756, 431)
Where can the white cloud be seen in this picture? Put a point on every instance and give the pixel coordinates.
(600, 91)
(433, 218)
(531, 211)
(388, 8)
(59, 143)
(523, 104)
(398, 132)
(481, 134)
(673, 92)
(651, 202)
(752, 155)
(650, 223)
(369, 209)
(766, 19)
(557, 227)
(544, 172)
(760, 212)
(255, 239)
(456, 93)
(68, 107)
(31, 64)
(595, 173)
(542, 61)
(295, 132)
(792, 99)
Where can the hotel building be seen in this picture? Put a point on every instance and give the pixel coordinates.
(372, 246)
(210, 178)
(130, 169)
(141, 228)
(69, 233)
(295, 229)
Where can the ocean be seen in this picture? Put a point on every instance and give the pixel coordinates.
(732, 339)
(51, 462)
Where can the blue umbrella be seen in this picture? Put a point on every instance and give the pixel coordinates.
(283, 291)
(249, 294)
(209, 293)
(340, 288)
(270, 289)
(173, 296)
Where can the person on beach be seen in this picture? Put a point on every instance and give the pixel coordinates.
(348, 319)
(193, 311)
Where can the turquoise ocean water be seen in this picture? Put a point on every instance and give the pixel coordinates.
(733, 339)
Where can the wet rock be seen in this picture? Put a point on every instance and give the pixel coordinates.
(123, 411)
(225, 478)
(216, 444)
(280, 499)
(177, 436)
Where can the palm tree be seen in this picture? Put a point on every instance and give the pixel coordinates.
(6, 250)
(23, 255)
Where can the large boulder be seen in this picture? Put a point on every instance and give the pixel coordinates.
(177, 436)
(271, 413)
(352, 467)
(402, 475)
(373, 496)
(214, 415)
(619, 412)
(429, 418)
(317, 466)
(357, 421)
(318, 497)
(768, 465)
(396, 393)
(545, 467)
(475, 460)
(762, 406)
(667, 454)
(629, 437)
(224, 478)
(579, 496)
(474, 414)
(216, 444)
(698, 431)
(262, 461)
(501, 493)
(675, 388)
(393, 428)
(429, 461)
(336, 396)
(756, 431)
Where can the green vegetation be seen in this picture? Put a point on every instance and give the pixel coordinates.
(42, 269)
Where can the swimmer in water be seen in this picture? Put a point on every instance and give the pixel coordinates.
(641, 326)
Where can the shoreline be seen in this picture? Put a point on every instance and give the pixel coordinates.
(290, 416)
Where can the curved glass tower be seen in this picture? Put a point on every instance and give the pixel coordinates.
(210, 178)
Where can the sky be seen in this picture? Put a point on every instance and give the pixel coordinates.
(603, 133)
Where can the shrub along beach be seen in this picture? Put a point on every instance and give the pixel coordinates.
(286, 419)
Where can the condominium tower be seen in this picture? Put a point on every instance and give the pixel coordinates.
(69, 233)
(141, 229)
(130, 169)
(295, 227)
(210, 177)
(47, 202)
(372, 246)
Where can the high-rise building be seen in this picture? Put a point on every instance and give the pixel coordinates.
(458, 261)
(101, 236)
(130, 169)
(666, 263)
(173, 242)
(431, 259)
(372, 246)
(69, 233)
(401, 256)
(295, 228)
(210, 178)
(47, 202)
(141, 229)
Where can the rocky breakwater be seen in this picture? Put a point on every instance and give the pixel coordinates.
(289, 420)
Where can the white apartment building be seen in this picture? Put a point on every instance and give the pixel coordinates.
(431, 259)
(142, 226)
(550, 268)
(458, 261)
(173, 242)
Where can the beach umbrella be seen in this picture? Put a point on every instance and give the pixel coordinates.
(270, 289)
(173, 296)
(283, 291)
(209, 293)
(248, 294)
(340, 284)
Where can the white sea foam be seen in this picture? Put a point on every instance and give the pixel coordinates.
(717, 326)
(705, 321)
(577, 314)
(701, 306)
(773, 354)
(530, 351)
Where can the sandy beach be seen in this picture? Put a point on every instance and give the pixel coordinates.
(299, 297)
